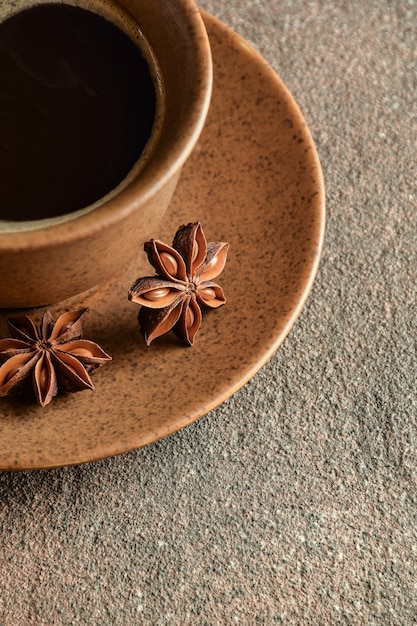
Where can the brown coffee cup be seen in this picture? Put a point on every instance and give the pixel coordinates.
(43, 261)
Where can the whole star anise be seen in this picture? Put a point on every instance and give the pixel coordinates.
(51, 358)
(172, 298)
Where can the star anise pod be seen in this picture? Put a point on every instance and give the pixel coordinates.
(172, 299)
(52, 357)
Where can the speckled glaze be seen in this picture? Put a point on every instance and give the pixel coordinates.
(47, 264)
(255, 181)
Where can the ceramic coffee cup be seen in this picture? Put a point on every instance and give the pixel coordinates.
(45, 261)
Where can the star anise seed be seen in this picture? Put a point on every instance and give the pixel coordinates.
(183, 283)
(51, 358)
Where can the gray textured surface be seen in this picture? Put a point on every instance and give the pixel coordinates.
(295, 501)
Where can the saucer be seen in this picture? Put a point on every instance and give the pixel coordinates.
(255, 181)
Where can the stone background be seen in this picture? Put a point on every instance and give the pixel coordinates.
(295, 501)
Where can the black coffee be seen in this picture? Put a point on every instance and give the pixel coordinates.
(77, 106)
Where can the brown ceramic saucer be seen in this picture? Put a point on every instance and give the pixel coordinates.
(254, 181)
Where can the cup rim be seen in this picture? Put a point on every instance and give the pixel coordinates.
(154, 175)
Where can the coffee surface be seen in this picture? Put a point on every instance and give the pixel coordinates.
(77, 106)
